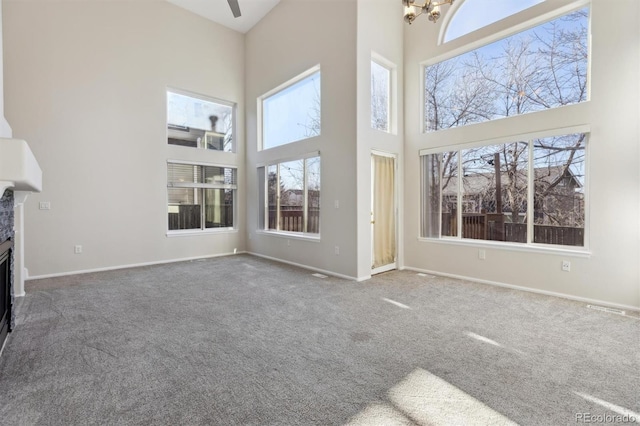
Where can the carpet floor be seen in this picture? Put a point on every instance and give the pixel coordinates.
(241, 340)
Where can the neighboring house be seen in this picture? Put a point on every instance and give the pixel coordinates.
(559, 197)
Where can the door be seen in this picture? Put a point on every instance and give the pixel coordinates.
(383, 212)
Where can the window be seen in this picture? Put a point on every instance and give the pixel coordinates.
(474, 14)
(292, 196)
(292, 112)
(380, 96)
(200, 196)
(519, 192)
(541, 68)
(199, 122)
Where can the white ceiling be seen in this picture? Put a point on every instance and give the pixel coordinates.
(218, 11)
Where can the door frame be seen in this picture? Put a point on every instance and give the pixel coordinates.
(394, 264)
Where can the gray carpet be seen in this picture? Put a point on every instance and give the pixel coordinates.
(243, 340)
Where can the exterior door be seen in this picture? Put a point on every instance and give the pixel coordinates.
(383, 212)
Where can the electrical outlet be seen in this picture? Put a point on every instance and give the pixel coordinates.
(566, 266)
(45, 205)
(336, 204)
(482, 254)
(337, 250)
(288, 243)
(77, 249)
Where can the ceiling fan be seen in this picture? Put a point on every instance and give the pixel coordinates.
(235, 8)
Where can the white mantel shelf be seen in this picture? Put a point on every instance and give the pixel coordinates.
(19, 169)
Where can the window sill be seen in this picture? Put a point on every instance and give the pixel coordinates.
(192, 232)
(291, 235)
(530, 248)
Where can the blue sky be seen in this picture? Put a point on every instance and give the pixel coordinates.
(475, 14)
(289, 114)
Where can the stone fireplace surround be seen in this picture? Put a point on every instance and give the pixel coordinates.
(6, 233)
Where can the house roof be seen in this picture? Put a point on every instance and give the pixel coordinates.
(478, 182)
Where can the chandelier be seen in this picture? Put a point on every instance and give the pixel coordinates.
(431, 8)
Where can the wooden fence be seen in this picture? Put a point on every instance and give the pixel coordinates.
(293, 221)
(189, 216)
(493, 228)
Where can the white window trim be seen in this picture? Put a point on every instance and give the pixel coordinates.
(393, 91)
(496, 33)
(232, 105)
(584, 128)
(496, 30)
(522, 247)
(260, 100)
(205, 231)
(290, 235)
(530, 245)
(265, 226)
(192, 232)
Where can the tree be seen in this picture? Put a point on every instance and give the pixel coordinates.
(538, 69)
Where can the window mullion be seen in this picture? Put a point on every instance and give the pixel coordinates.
(460, 195)
(278, 197)
(530, 193)
(305, 200)
(441, 174)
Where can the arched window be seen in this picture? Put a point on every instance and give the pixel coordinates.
(472, 15)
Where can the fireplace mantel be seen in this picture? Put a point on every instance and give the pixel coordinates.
(19, 169)
(20, 172)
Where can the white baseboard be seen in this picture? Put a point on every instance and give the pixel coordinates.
(132, 265)
(310, 268)
(527, 289)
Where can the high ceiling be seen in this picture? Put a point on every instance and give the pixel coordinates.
(219, 11)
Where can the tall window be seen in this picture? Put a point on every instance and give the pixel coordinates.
(380, 97)
(291, 112)
(200, 196)
(520, 192)
(199, 122)
(541, 68)
(292, 199)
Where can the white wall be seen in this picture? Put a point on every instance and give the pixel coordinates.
(610, 272)
(295, 36)
(5, 129)
(85, 85)
(380, 31)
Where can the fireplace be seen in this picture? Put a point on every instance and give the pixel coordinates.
(5, 289)
(20, 175)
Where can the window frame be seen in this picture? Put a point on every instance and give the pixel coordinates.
(210, 99)
(261, 109)
(263, 196)
(496, 33)
(455, 8)
(392, 92)
(203, 230)
(530, 245)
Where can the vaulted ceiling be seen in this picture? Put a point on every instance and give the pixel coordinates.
(218, 11)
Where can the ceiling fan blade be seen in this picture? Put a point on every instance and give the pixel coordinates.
(235, 8)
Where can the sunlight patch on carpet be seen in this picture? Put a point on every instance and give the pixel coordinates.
(398, 304)
(428, 399)
(425, 399)
(609, 406)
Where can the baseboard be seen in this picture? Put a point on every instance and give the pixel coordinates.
(310, 268)
(527, 289)
(132, 265)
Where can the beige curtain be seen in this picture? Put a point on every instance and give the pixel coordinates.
(384, 227)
